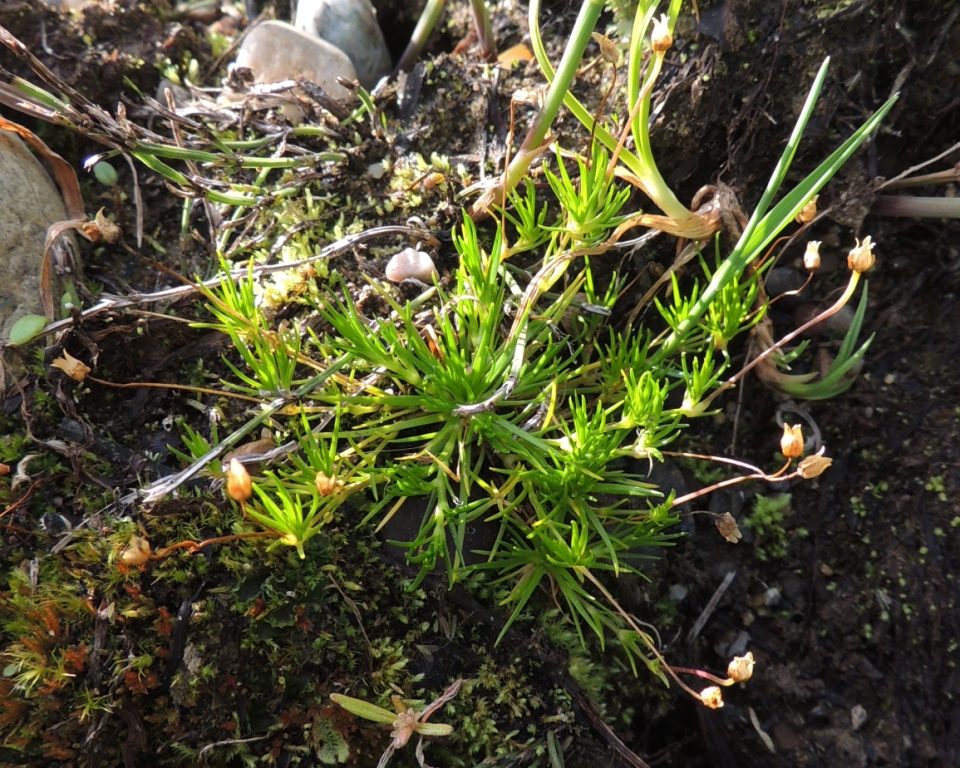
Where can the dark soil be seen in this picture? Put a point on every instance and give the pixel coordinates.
(854, 623)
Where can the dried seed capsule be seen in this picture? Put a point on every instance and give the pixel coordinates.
(808, 212)
(137, 551)
(814, 466)
(660, 38)
(861, 257)
(741, 668)
(327, 485)
(712, 697)
(727, 525)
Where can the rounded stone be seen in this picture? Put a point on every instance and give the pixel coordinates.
(275, 51)
(350, 25)
(411, 264)
(29, 203)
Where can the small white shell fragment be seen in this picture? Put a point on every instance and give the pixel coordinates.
(410, 264)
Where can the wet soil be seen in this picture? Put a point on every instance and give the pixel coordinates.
(854, 619)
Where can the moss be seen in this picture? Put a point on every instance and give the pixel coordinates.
(767, 523)
(233, 652)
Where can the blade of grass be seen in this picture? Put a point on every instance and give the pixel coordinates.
(763, 227)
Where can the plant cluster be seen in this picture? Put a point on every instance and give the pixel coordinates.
(504, 408)
(502, 400)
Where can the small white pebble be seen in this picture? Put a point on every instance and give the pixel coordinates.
(376, 170)
(858, 716)
(739, 644)
(678, 592)
(410, 264)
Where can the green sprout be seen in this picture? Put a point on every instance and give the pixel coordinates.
(428, 20)
(766, 521)
(405, 722)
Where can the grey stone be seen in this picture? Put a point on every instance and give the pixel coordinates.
(739, 644)
(70, 5)
(277, 51)
(772, 597)
(678, 592)
(352, 26)
(29, 203)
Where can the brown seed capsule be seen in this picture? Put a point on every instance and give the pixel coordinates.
(814, 466)
(239, 484)
(433, 342)
(75, 369)
(727, 525)
(712, 697)
(791, 444)
(741, 668)
(137, 551)
(660, 38)
(326, 485)
(608, 49)
(861, 257)
(808, 212)
(431, 180)
(108, 230)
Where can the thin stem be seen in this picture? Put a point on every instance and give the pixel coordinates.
(724, 681)
(185, 387)
(638, 107)
(654, 184)
(633, 625)
(421, 33)
(481, 20)
(779, 477)
(195, 546)
(916, 207)
(533, 142)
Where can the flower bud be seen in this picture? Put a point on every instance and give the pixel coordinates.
(861, 257)
(660, 38)
(811, 256)
(239, 484)
(712, 697)
(814, 466)
(791, 444)
(741, 668)
(808, 212)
